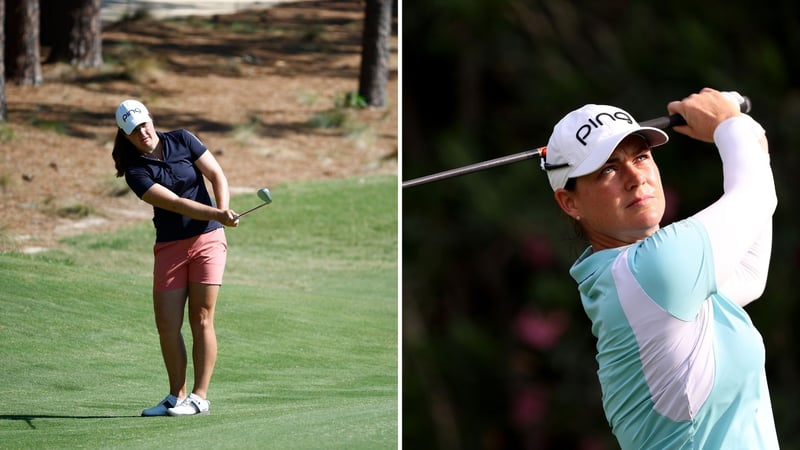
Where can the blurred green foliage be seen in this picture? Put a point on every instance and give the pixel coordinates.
(497, 352)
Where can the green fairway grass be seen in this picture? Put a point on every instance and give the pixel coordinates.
(306, 323)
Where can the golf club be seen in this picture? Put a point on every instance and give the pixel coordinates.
(264, 195)
(661, 123)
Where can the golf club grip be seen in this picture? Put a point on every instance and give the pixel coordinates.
(676, 120)
(663, 123)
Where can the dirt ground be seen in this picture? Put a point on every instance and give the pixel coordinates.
(265, 90)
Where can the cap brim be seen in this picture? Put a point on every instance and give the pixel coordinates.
(597, 158)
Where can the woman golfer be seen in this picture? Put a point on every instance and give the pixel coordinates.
(680, 363)
(167, 170)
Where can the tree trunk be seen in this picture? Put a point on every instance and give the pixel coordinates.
(72, 29)
(86, 39)
(2, 62)
(375, 52)
(22, 42)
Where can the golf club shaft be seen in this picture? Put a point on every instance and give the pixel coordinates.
(501, 161)
(251, 210)
(662, 123)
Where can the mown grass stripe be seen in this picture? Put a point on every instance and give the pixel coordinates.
(306, 321)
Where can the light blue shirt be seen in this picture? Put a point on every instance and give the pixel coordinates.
(681, 365)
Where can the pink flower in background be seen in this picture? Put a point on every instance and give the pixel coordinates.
(541, 330)
(538, 252)
(530, 406)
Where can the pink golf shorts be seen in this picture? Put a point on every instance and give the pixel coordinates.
(199, 259)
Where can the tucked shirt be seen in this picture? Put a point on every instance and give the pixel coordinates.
(178, 173)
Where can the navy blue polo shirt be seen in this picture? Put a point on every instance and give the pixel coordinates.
(177, 173)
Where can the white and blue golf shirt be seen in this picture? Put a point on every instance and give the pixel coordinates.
(681, 365)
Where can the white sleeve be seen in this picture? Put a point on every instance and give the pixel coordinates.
(739, 224)
(750, 277)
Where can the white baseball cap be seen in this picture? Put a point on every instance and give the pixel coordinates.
(585, 138)
(131, 114)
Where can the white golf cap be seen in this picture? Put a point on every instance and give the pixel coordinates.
(131, 114)
(585, 138)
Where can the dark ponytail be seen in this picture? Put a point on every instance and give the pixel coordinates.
(124, 153)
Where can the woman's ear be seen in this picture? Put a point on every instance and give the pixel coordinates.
(568, 203)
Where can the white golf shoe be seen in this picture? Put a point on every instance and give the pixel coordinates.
(160, 409)
(190, 406)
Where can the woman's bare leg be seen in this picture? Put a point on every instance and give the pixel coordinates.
(169, 308)
(202, 301)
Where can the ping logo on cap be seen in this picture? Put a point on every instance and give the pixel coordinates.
(595, 122)
(129, 113)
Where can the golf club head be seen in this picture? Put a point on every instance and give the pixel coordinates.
(264, 195)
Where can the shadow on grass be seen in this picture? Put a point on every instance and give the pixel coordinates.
(29, 418)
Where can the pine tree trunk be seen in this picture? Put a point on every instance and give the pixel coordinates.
(3, 107)
(85, 40)
(22, 39)
(375, 52)
(73, 31)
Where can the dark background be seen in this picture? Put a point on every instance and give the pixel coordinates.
(497, 351)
